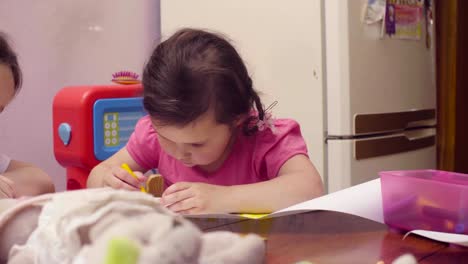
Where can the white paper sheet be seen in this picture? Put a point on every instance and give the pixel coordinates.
(457, 239)
(363, 200)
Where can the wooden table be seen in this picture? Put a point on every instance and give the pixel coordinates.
(331, 237)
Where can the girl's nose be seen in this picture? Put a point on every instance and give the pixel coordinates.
(181, 153)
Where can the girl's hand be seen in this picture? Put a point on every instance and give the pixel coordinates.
(119, 178)
(195, 198)
(7, 188)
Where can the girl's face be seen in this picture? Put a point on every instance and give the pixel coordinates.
(204, 142)
(7, 86)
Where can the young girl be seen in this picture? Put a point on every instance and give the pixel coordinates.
(16, 178)
(209, 136)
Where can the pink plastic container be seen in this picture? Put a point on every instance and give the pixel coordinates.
(425, 199)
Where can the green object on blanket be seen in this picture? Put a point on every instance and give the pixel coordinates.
(122, 251)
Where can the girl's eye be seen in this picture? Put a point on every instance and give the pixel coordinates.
(197, 145)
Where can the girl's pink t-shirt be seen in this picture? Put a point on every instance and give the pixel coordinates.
(253, 158)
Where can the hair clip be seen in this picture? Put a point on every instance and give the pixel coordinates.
(268, 120)
(125, 77)
(271, 106)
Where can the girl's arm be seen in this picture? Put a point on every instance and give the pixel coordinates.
(28, 179)
(109, 173)
(297, 181)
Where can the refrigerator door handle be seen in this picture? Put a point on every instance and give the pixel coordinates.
(398, 143)
(396, 121)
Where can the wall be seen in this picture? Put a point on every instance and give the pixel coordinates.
(61, 43)
(282, 47)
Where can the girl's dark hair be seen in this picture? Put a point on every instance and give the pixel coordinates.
(194, 71)
(8, 58)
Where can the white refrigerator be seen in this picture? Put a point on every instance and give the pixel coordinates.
(365, 103)
(381, 99)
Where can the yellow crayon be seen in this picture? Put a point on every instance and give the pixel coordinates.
(127, 168)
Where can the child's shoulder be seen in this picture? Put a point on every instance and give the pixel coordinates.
(276, 144)
(286, 124)
(145, 121)
(144, 126)
(278, 131)
(144, 132)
